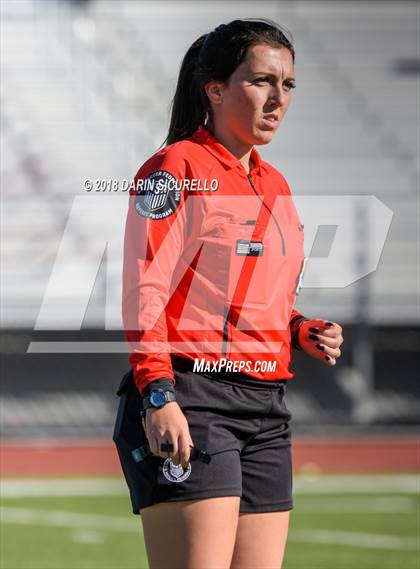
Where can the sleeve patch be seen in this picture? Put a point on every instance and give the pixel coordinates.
(158, 195)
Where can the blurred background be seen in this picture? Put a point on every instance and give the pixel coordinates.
(85, 93)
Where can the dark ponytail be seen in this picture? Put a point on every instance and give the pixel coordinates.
(188, 107)
(215, 56)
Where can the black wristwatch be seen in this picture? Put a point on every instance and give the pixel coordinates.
(158, 398)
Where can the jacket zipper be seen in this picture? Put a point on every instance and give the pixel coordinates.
(225, 330)
(283, 244)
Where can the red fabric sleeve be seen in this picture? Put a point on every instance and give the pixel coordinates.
(294, 314)
(152, 247)
(296, 319)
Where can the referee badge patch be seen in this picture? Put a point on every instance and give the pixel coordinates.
(251, 248)
(158, 195)
(175, 472)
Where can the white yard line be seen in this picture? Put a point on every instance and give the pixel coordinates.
(351, 504)
(357, 484)
(88, 536)
(355, 539)
(61, 487)
(59, 518)
(38, 517)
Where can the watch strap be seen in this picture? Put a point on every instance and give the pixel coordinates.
(166, 383)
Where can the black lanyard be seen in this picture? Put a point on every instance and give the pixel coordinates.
(144, 451)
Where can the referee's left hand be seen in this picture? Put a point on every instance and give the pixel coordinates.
(321, 339)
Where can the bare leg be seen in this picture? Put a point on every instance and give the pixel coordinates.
(191, 534)
(260, 540)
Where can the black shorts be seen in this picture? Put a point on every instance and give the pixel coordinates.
(242, 422)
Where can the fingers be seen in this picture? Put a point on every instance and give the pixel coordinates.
(168, 427)
(184, 450)
(181, 448)
(327, 347)
(153, 444)
(165, 438)
(326, 342)
(330, 361)
(331, 352)
(330, 346)
(326, 328)
(174, 454)
(322, 339)
(328, 333)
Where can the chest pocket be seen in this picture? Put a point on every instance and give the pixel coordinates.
(244, 253)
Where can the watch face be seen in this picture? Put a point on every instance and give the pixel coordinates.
(157, 398)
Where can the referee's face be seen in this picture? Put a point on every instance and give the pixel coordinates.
(255, 99)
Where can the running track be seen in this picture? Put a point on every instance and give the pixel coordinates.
(76, 457)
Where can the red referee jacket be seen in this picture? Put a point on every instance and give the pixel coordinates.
(213, 259)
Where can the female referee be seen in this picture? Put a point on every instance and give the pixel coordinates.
(213, 260)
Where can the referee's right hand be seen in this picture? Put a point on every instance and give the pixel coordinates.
(168, 424)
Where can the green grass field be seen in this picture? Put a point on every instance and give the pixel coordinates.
(357, 522)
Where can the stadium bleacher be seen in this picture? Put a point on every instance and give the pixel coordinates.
(85, 95)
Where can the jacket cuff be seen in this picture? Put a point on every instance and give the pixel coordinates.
(295, 325)
(166, 383)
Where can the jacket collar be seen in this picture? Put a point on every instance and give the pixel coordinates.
(204, 137)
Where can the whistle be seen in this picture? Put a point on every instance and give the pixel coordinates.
(140, 453)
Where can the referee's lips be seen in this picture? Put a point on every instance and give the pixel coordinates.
(271, 121)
